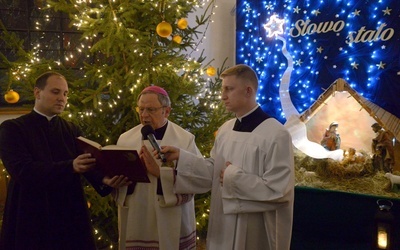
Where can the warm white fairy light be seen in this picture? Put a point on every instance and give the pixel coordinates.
(190, 67)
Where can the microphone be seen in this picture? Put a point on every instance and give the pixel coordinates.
(148, 132)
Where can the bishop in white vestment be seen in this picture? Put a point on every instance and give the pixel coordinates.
(146, 218)
(151, 215)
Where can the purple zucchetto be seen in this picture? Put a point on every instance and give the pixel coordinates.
(155, 89)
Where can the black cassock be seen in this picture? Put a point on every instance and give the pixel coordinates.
(45, 206)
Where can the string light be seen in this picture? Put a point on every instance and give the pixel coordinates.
(79, 52)
(327, 40)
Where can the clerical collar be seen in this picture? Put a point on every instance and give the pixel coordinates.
(159, 132)
(251, 121)
(40, 113)
(248, 113)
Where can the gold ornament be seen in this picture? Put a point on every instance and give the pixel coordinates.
(11, 96)
(211, 71)
(164, 29)
(177, 39)
(182, 23)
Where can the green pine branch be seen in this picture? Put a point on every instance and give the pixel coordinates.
(122, 54)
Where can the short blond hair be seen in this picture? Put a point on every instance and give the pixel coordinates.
(242, 72)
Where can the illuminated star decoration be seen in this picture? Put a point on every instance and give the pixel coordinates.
(248, 8)
(386, 11)
(269, 6)
(354, 65)
(298, 62)
(356, 12)
(274, 26)
(316, 12)
(296, 10)
(381, 65)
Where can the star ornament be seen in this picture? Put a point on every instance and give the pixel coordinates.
(354, 65)
(356, 12)
(381, 65)
(386, 11)
(274, 26)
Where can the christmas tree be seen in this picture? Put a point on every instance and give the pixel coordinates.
(112, 51)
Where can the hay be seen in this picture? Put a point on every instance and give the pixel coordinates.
(354, 174)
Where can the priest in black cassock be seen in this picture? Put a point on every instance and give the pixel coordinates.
(45, 206)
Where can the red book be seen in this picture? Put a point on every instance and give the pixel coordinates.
(115, 160)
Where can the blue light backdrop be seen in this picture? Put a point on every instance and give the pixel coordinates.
(358, 41)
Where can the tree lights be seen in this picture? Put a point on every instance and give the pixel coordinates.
(109, 53)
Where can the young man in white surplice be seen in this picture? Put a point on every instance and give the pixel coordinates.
(250, 172)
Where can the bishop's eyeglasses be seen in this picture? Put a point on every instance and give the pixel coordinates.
(149, 110)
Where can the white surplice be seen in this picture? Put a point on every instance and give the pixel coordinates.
(254, 207)
(148, 220)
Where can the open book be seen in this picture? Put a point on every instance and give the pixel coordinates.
(114, 160)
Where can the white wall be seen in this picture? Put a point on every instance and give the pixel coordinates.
(219, 42)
